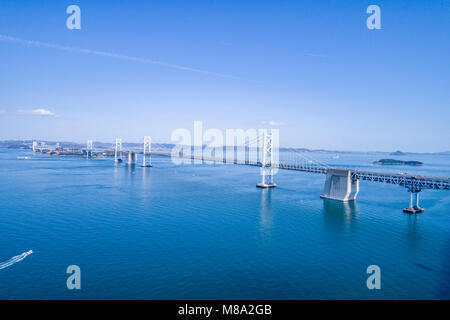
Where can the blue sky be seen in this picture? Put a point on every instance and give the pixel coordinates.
(311, 67)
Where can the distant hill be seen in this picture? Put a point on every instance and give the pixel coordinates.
(397, 153)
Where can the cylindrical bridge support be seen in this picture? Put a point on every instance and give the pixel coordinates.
(414, 208)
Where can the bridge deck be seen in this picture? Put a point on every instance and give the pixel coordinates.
(413, 182)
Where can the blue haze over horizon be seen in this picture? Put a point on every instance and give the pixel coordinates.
(312, 69)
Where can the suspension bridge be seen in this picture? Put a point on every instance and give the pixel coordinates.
(341, 184)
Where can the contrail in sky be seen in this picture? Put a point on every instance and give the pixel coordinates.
(39, 44)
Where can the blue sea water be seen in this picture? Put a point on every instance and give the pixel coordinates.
(206, 232)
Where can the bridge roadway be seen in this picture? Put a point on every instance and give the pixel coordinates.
(413, 183)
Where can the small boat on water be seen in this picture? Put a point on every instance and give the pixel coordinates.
(24, 158)
(336, 157)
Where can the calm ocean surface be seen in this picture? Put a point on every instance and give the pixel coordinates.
(206, 232)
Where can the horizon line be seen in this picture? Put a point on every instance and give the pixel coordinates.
(281, 147)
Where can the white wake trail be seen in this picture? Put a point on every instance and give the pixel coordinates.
(15, 259)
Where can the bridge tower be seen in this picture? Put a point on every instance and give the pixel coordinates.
(118, 151)
(146, 155)
(267, 162)
(35, 146)
(89, 148)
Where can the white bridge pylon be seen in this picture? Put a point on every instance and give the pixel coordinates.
(89, 148)
(267, 162)
(146, 154)
(118, 150)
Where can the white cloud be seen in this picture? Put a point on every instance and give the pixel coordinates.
(274, 123)
(37, 112)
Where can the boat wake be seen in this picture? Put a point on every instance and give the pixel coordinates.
(15, 259)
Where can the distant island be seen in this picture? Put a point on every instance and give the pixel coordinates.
(398, 153)
(398, 162)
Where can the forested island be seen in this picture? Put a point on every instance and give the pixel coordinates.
(398, 162)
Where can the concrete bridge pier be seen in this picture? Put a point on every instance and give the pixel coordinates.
(340, 186)
(132, 158)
